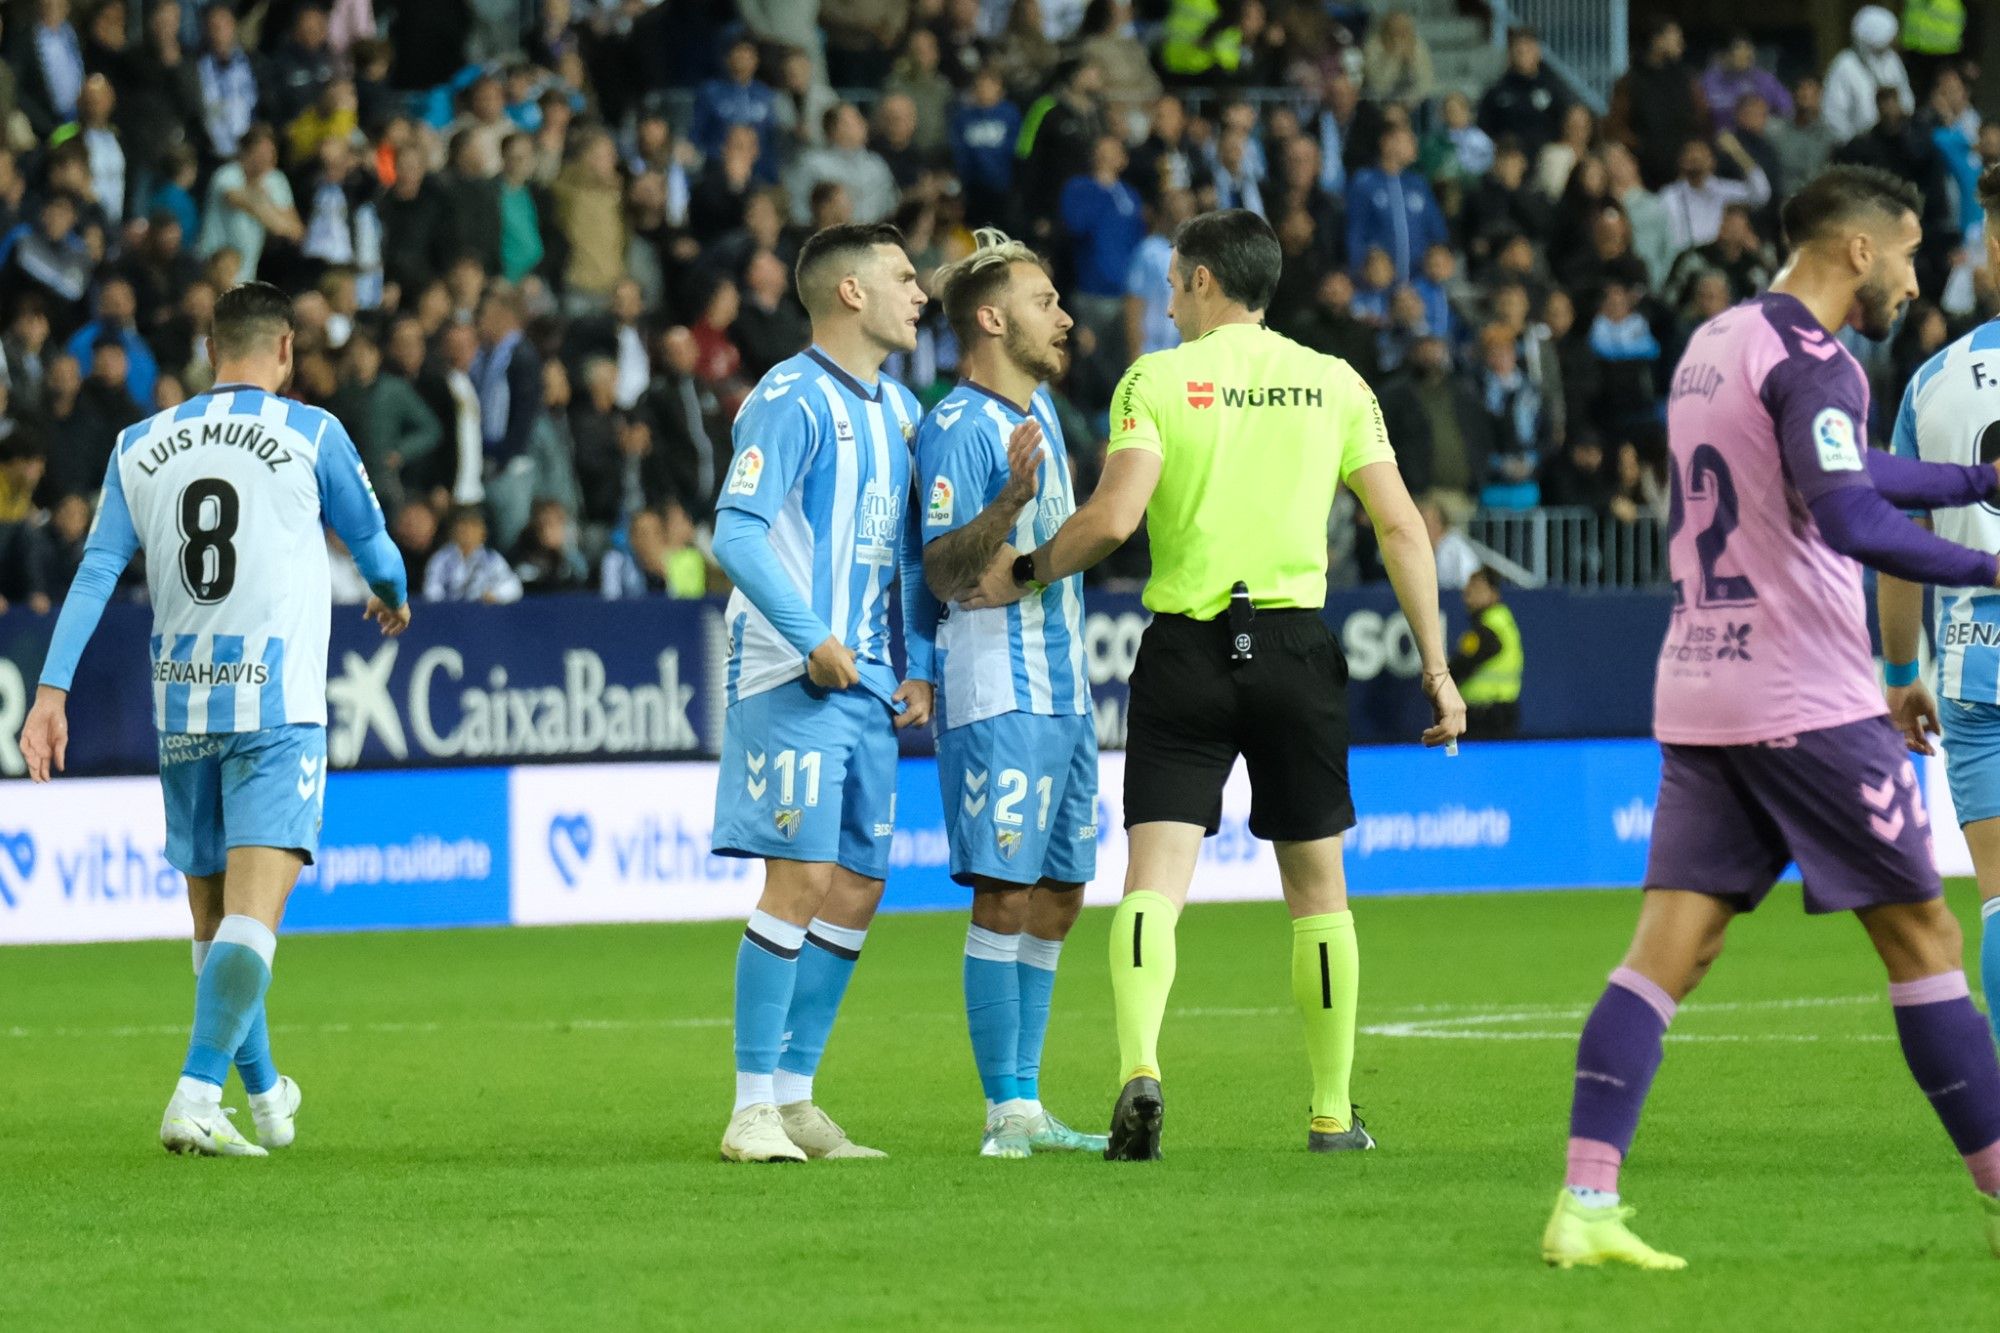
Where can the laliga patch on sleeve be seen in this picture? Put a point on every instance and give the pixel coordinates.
(1839, 449)
(938, 512)
(749, 469)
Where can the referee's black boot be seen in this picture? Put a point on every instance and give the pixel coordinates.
(1355, 1138)
(1135, 1123)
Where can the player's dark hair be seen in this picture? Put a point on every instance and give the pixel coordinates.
(250, 318)
(1840, 195)
(1989, 191)
(830, 255)
(1239, 250)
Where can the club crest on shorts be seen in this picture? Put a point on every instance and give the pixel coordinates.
(787, 821)
(1009, 840)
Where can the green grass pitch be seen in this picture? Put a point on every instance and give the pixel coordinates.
(517, 1129)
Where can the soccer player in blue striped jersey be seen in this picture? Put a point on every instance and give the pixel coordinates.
(813, 527)
(1017, 745)
(229, 494)
(1951, 414)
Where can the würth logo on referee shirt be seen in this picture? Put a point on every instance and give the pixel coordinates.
(1203, 394)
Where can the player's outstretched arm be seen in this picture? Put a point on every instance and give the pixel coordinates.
(1859, 522)
(113, 540)
(1900, 605)
(1911, 483)
(954, 562)
(1405, 545)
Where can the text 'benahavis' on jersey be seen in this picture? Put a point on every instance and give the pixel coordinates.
(1769, 637)
(226, 493)
(825, 461)
(1951, 414)
(1023, 658)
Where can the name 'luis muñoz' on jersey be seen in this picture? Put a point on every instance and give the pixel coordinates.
(228, 494)
(824, 460)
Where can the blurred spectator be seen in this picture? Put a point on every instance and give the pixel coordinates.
(1586, 194)
(1397, 62)
(415, 530)
(249, 201)
(1441, 430)
(229, 82)
(84, 419)
(611, 449)
(1651, 236)
(658, 556)
(1104, 222)
(1519, 423)
(1301, 270)
(737, 98)
(1503, 204)
(546, 558)
(1868, 66)
(1657, 106)
(508, 374)
(1024, 53)
(726, 185)
(895, 141)
(1164, 159)
(1527, 103)
(618, 335)
(1734, 75)
(1391, 207)
(861, 38)
(392, 428)
(1639, 492)
(527, 212)
(1626, 353)
(50, 259)
(803, 102)
(847, 160)
(467, 569)
(1328, 326)
(301, 67)
(1335, 122)
(590, 210)
(1803, 141)
(1744, 261)
(1237, 176)
(1695, 199)
(49, 59)
(116, 321)
(24, 348)
(1559, 159)
(1453, 554)
(1457, 154)
(1581, 477)
(102, 145)
(1148, 328)
(53, 558)
(1107, 40)
(484, 118)
(1896, 144)
(984, 128)
(470, 188)
(342, 226)
(682, 463)
(718, 361)
(771, 326)
(1953, 126)
(180, 340)
(918, 78)
(1059, 137)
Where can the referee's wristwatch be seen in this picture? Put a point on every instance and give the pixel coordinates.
(1024, 573)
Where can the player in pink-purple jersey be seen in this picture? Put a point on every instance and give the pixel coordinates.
(1775, 741)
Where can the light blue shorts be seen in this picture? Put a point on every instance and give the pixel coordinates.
(1972, 758)
(809, 775)
(242, 789)
(1020, 798)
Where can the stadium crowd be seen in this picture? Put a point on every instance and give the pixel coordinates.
(540, 253)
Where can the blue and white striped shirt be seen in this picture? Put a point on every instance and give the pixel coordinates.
(1028, 657)
(824, 460)
(1951, 414)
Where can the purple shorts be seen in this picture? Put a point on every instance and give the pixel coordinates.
(1843, 803)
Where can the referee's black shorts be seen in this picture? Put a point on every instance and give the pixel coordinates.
(1285, 711)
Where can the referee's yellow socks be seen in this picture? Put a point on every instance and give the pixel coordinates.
(1142, 976)
(1326, 984)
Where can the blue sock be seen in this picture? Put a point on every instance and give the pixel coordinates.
(993, 1010)
(1037, 973)
(767, 967)
(825, 967)
(228, 996)
(1989, 961)
(253, 1058)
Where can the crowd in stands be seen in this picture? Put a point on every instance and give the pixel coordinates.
(540, 253)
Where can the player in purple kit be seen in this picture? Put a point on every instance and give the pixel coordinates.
(1776, 744)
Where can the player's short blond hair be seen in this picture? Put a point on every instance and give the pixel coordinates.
(980, 278)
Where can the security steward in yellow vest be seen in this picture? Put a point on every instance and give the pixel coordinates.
(1487, 665)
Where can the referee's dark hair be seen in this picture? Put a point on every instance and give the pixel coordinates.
(1841, 194)
(1239, 250)
(828, 256)
(249, 318)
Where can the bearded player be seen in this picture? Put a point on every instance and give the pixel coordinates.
(1017, 744)
(1775, 743)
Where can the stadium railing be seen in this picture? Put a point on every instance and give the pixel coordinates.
(1586, 42)
(1574, 547)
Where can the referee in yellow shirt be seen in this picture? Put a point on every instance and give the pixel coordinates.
(1231, 446)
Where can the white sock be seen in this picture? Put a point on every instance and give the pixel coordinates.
(1038, 952)
(788, 1087)
(201, 948)
(1012, 1106)
(1594, 1198)
(751, 1089)
(1031, 1107)
(202, 1094)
